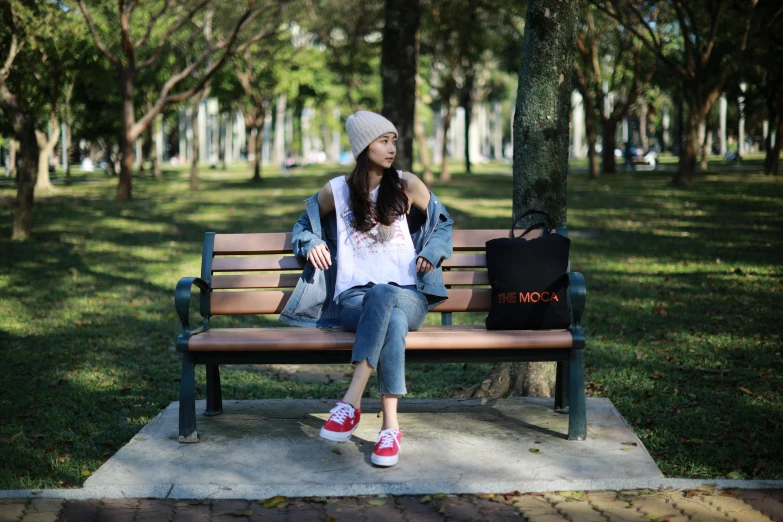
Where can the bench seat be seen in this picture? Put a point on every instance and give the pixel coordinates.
(456, 337)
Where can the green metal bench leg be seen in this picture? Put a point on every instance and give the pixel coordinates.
(577, 414)
(562, 387)
(187, 400)
(214, 395)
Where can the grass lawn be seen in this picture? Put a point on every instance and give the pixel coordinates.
(684, 333)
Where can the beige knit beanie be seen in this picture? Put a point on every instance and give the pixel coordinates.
(364, 127)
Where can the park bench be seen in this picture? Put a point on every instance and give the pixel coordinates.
(246, 274)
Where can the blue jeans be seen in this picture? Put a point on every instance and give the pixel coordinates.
(382, 315)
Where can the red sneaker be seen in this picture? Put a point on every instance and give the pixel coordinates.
(387, 448)
(342, 422)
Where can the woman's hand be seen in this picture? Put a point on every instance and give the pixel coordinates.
(422, 265)
(319, 257)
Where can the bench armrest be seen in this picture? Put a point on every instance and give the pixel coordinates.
(182, 295)
(577, 296)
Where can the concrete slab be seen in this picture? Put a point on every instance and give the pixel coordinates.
(269, 444)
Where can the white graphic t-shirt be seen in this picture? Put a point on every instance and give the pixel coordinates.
(385, 254)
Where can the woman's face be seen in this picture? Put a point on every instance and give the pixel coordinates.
(382, 151)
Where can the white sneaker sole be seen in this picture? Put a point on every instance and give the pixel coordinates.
(337, 436)
(384, 461)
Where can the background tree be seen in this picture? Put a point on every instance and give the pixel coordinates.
(127, 50)
(540, 156)
(25, 28)
(399, 61)
(600, 37)
(701, 41)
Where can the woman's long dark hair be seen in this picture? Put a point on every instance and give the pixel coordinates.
(392, 202)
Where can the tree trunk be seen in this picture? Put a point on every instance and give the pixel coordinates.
(222, 134)
(592, 157)
(774, 160)
(127, 137)
(445, 174)
(399, 60)
(258, 139)
(609, 162)
(68, 136)
(467, 104)
(702, 146)
(27, 173)
(154, 160)
(13, 146)
(197, 100)
(689, 152)
(540, 155)
(46, 145)
(424, 151)
(768, 145)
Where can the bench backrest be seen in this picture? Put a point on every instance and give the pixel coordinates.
(251, 273)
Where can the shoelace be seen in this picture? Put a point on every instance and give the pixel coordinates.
(340, 412)
(387, 438)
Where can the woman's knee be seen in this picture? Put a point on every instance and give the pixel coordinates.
(398, 322)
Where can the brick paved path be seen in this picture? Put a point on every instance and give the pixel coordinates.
(702, 505)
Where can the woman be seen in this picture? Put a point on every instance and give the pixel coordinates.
(373, 268)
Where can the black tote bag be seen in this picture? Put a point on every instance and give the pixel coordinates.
(529, 279)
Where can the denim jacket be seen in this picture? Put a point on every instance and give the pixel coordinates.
(312, 302)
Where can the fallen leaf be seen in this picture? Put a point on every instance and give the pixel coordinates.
(272, 502)
(330, 518)
(16, 436)
(626, 449)
(629, 444)
(438, 496)
(736, 475)
(656, 375)
(336, 450)
(62, 459)
(140, 438)
(282, 505)
(359, 443)
(425, 499)
(486, 496)
(376, 502)
(241, 513)
(534, 450)
(181, 504)
(745, 390)
(694, 441)
(86, 473)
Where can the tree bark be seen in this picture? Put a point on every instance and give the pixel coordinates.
(127, 136)
(540, 155)
(592, 156)
(13, 147)
(68, 134)
(46, 145)
(197, 101)
(27, 173)
(689, 152)
(774, 160)
(445, 173)
(467, 105)
(424, 152)
(222, 127)
(609, 162)
(258, 138)
(399, 61)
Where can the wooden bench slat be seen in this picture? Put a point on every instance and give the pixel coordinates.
(273, 302)
(222, 282)
(459, 337)
(268, 243)
(225, 282)
(258, 264)
(280, 242)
